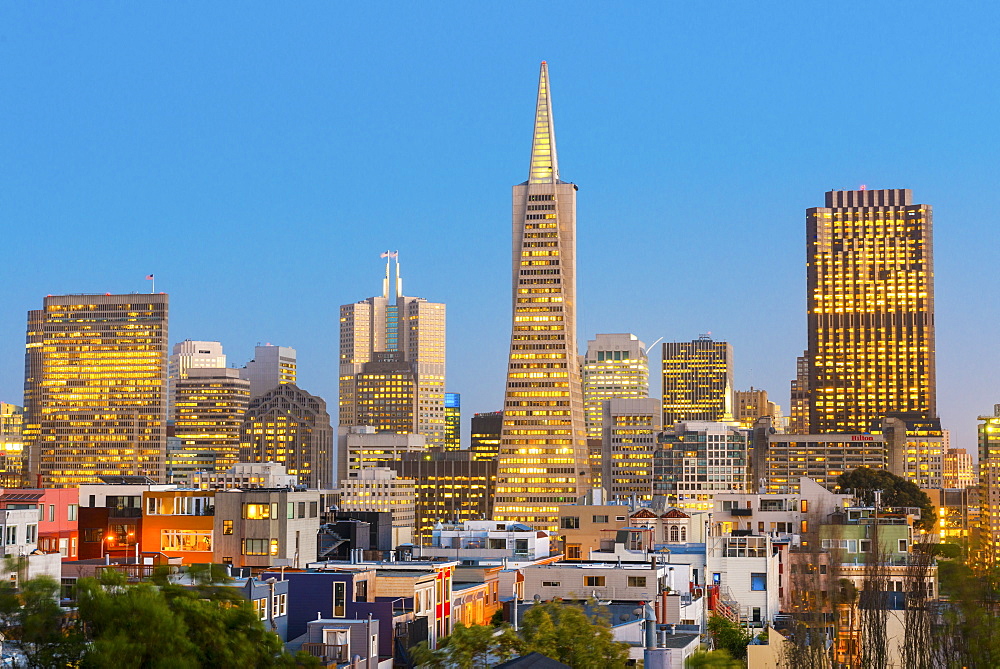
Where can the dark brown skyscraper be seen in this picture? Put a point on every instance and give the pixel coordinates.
(870, 309)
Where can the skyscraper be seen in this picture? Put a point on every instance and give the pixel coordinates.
(697, 381)
(870, 297)
(615, 367)
(95, 388)
(210, 405)
(290, 426)
(452, 421)
(543, 448)
(271, 367)
(484, 438)
(190, 354)
(392, 362)
(12, 446)
(989, 484)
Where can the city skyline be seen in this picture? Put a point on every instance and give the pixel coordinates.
(655, 191)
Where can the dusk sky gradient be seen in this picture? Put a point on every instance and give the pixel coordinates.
(257, 158)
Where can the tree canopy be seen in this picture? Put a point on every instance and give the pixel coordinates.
(140, 625)
(729, 636)
(896, 491)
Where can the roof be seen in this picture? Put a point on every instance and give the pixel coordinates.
(532, 661)
(678, 640)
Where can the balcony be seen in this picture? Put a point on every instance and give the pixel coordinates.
(125, 512)
(327, 653)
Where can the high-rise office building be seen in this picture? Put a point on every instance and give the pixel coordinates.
(190, 354)
(271, 367)
(95, 388)
(12, 446)
(484, 439)
(362, 447)
(989, 484)
(870, 297)
(615, 367)
(697, 381)
(798, 422)
(451, 486)
(749, 405)
(543, 449)
(290, 426)
(452, 421)
(392, 362)
(628, 443)
(210, 405)
(959, 468)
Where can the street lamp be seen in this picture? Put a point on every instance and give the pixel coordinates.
(108, 538)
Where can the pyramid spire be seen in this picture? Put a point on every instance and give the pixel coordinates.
(544, 165)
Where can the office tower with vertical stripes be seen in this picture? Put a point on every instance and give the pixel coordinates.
(392, 362)
(543, 448)
(870, 296)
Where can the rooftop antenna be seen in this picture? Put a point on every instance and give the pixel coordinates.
(385, 281)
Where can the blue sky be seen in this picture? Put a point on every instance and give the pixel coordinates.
(257, 157)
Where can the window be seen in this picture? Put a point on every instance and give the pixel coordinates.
(275, 606)
(302, 509)
(283, 604)
(520, 545)
(256, 511)
(31, 534)
(594, 581)
(600, 519)
(550, 584)
(339, 599)
(313, 509)
(573, 552)
(637, 581)
(758, 581)
(11, 534)
(255, 546)
(227, 527)
(675, 534)
(902, 545)
(291, 511)
(361, 591)
(498, 544)
(52, 513)
(619, 518)
(805, 506)
(72, 511)
(41, 512)
(866, 545)
(569, 523)
(274, 546)
(260, 608)
(93, 535)
(186, 540)
(805, 526)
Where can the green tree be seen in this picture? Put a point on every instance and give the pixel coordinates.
(48, 637)
(581, 641)
(896, 491)
(715, 659)
(729, 636)
(472, 647)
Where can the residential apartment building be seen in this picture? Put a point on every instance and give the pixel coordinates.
(583, 527)
(265, 527)
(95, 388)
(697, 460)
(487, 542)
(959, 469)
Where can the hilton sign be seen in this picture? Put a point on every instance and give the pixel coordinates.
(862, 437)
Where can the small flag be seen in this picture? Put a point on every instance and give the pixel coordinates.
(149, 277)
(389, 254)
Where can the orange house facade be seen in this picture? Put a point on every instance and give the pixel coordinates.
(179, 524)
